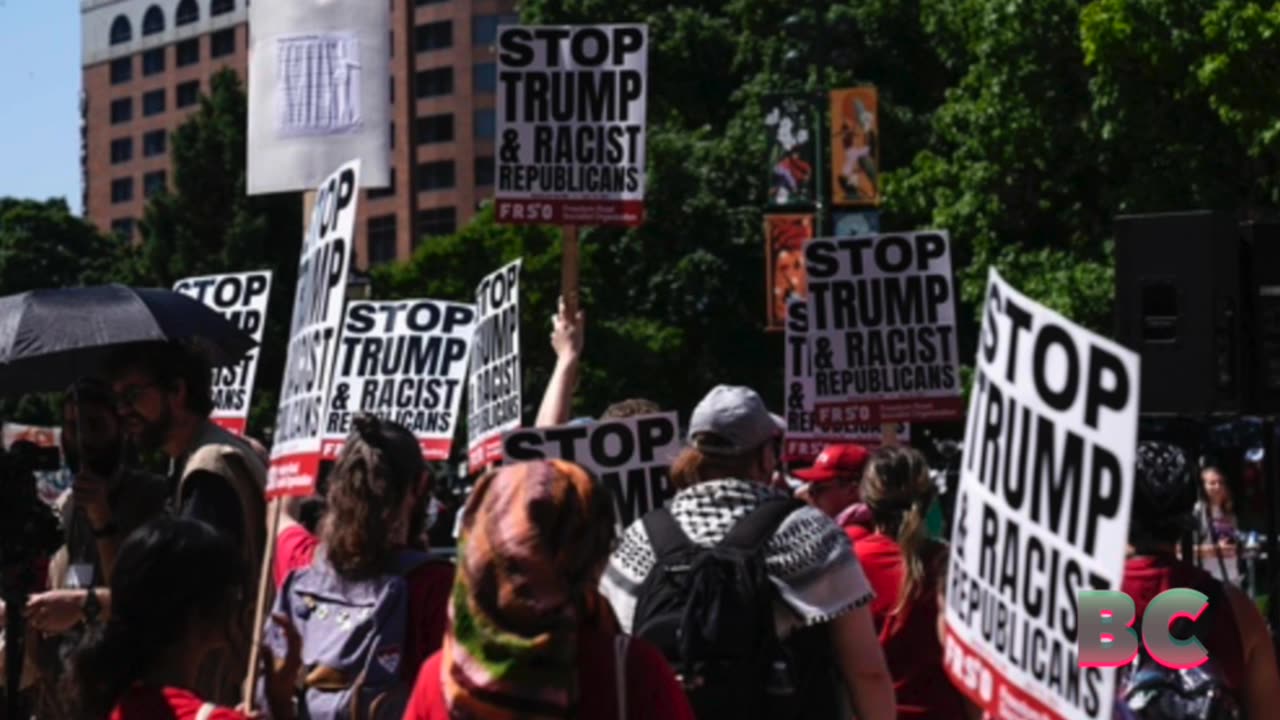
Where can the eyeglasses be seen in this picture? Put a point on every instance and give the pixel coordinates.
(131, 394)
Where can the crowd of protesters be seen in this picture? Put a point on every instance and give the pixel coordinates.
(760, 590)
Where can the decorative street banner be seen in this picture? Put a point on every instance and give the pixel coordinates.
(242, 299)
(313, 334)
(493, 397)
(852, 224)
(318, 92)
(1042, 509)
(571, 124)
(784, 237)
(788, 120)
(404, 361)
(880, 329)
(855, 147)
(632, 457)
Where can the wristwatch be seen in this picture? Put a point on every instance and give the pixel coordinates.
(92, 608)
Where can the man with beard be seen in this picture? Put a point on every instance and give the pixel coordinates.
(163, 395)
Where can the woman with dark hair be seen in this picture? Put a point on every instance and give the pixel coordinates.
(367, 566)
(176, 590)
(905, 569)
(529, 635)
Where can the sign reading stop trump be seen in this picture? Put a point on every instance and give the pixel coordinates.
(571, 124)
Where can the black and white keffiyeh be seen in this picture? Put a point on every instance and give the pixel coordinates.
(809, 558)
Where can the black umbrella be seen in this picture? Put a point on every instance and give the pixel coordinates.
(50, 338)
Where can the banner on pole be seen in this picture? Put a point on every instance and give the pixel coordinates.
(1042, 509)
(879, 330)
(784, 239)
(855, 146)
(853, 224)
(404, 361)
(242, 299)
(313, 334)
(632, 457)
(493, 393)
(788, 122)
(571, 124)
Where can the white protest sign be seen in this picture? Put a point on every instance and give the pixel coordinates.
(632, 457)
(313, 334)
(493, 393)
(881, 323)
(242, 299)
(571, 124)
(1042, 509)
(318, 92)
(404, 361)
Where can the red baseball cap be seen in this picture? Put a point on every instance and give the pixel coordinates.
(845, 460)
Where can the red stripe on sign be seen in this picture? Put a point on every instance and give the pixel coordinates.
(235, 426)
(874, 412)
(988, 688)
(435, 449)
(293, 475)
(535, 211)
(485, 453)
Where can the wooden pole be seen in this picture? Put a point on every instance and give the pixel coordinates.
(569, 269)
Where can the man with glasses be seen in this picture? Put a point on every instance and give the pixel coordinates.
(164, 399)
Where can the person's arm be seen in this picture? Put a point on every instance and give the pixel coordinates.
(57, 611)
(90, 497)
(566, 340)
(862, 665)
(1261, 679)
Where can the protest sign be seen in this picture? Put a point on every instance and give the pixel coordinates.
(784, 238)
(313, 334)
(880, 329)
(318, 93)
(789, 124)
(855, 146)
(493, 397)
(571, 124)
(632, 457)
(1042, 509)
(404, 361)
(242, 299)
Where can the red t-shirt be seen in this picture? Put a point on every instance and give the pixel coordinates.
(652, 690)
(910, 641)
(429, 589)
(151, 703)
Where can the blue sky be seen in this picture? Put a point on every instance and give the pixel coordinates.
(40, 113)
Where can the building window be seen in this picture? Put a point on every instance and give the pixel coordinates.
(153, 143)
(121, 30)
(188, 12)
(122, 190)
(152, 183)
(485, 77)
(391, 89)
(121, 150)
(188, 93)
(382, 239)
(485, 124)
(222, 7)
(188, 52)
(484, 28)
(153, 103)
(434, 83)
(222, 43)
(435, 129)
(433, 36)
(153, 21)
(392, 136)
(437, 175)
(121, 110)
(123, 228)
(121, 70)
(387, 191)
(484, 170)
(153, 61)
(440, 221)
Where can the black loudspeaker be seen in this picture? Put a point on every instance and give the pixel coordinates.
(1179, 304)
(1262, 253)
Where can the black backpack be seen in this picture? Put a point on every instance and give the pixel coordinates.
(710, 612)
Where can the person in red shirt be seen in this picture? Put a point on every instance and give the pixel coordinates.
(905, 569)
(530, 636)
(834, 484)
(178, 585)
(377, 506)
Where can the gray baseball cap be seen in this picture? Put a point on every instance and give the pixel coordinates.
(737, 417)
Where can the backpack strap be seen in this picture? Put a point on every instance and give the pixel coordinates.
(751, 532)
(621, 647)
(409, 560)
(665, 535)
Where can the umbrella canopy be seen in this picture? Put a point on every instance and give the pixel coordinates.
(50, 338)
